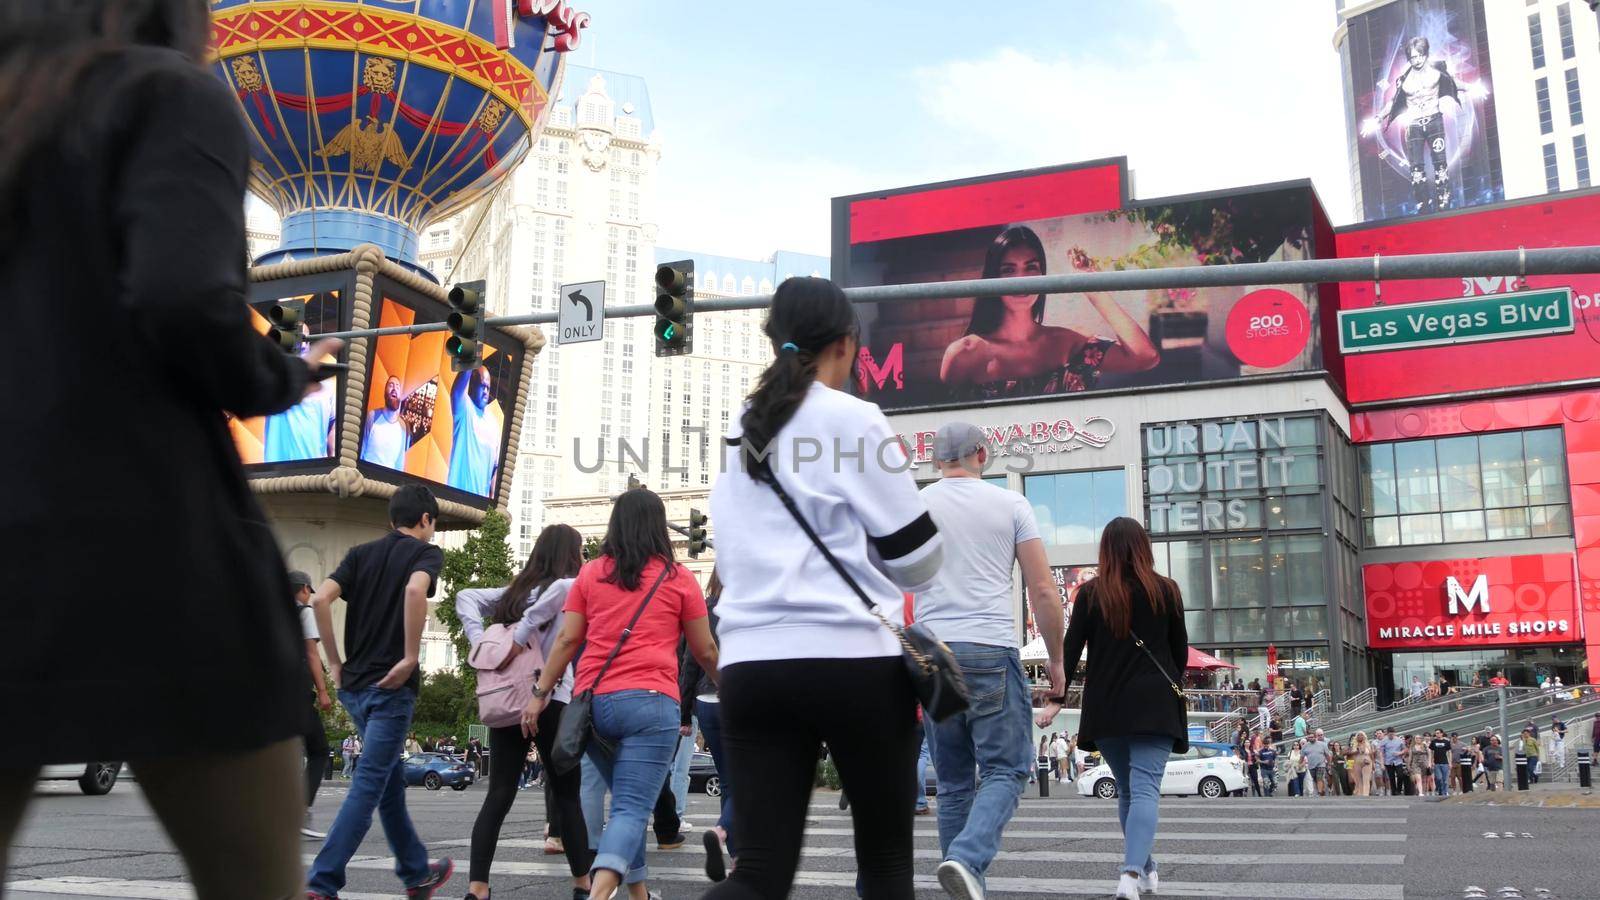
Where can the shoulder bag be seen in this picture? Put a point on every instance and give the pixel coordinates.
(935, 674)
(576, 728)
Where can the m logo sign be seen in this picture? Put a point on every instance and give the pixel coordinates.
(1476, 599)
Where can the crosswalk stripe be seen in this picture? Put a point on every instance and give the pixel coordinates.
(1267, 837)
(1062, 856)
(90, 886)
(1187, 820)
(1236, 890)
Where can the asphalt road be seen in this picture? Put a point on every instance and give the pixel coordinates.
(1340, 849)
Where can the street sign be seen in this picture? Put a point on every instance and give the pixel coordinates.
(1494, 317)
(582, 314)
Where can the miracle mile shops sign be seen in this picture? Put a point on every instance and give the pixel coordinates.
(1495, 317)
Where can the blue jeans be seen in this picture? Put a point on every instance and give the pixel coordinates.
(924, 759)
(710, 716)
(642, 727)
(680, 768)
(383, 719)
(592, 796)
(1138, 761)
(993, 738)
(1441, 779)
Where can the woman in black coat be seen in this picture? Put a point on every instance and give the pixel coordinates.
(146, 598)
(1131, 620)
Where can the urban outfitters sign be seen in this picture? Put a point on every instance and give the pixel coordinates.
(1188, 459)
(1467, 320)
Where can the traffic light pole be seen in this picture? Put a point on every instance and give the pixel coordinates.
(1377, 268)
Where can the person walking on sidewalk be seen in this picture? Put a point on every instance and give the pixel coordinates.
(1316, 754)
(629, 608)
(1558, 740)
(1530, 749)
(987, 531)
(385, 584)
(316, 738)
(1440, 749)
(531, 605)
(1130, 619)
(347, 749)
(815, 555)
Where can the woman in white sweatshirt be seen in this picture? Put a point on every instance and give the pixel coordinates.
(804, 660)
(532, 606)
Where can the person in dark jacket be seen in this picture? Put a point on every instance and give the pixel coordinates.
(1131, 621)
(699, 701)
(122, 180)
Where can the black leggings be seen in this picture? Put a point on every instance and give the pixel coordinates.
(316, 752)
(509, 744)
(775, 717)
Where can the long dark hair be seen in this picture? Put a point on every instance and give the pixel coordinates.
(988, 311)
(557, 554)
(810, 313)
(636, 534)
(1126, 561)
(47, 48)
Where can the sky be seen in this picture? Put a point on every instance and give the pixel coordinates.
(766, 110)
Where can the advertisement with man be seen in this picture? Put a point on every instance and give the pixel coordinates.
(992, 347)
(1421, 111)
(426, 420)
(1068, 580)
(306, 431)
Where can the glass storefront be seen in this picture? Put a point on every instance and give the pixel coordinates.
(1524, 666)
(1073, 507)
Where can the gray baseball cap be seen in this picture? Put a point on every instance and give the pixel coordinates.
(955, 441)
(298, 578)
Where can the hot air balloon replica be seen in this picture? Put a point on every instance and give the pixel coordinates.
(367, 121)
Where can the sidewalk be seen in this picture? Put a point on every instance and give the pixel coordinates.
(1561, 795)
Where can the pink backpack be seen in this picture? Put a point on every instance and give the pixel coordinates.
(504, 687)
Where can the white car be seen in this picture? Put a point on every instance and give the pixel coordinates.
(93, 779)
(1202, 770)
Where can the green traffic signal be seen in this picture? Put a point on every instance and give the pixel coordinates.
(465, 344)
(674, 308)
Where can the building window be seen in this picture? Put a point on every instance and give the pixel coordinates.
(1234, 476)
(1580, 155)
(1536, 40)
(1499, 486)
(1073, 507)
(1541, 90)
(1552, 172)
(1574, 98)
(1564, 22)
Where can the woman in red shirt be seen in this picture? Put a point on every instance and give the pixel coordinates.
(636, 698)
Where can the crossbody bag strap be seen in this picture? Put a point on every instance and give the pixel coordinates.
(794, 510)
(617, 648)
(1159, 667)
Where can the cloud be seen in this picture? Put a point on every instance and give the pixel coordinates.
(1216, 100)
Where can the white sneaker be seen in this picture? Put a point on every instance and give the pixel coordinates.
(309, 832)
(1128, 887)
(959, 882)
(1150, 883)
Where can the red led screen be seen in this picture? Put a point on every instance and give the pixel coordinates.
(1469, 603)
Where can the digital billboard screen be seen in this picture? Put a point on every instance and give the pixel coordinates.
(1421, 109)
(1068, 580)
(425, 420)
(1516, 355)
(306, 432)
(979, 349)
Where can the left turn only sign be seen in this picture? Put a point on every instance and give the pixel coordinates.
(582, 315)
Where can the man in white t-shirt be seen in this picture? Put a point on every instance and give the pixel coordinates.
(315, 737)
(387, 438)
(1064, 755)
(987, 531)
(475, 440)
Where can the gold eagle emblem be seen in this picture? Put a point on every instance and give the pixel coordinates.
(369, 147)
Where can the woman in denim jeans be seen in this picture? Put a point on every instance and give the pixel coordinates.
(636, 698)
(1131, 621)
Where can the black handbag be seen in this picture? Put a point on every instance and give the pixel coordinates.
(576, 728)
(935, 674)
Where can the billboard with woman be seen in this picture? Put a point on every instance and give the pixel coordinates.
(993, 346)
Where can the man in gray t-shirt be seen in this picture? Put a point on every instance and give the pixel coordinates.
(987, 531)
(1316, 753)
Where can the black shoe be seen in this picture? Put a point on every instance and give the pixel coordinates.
(844, 800)
(579, 894)
(716, 866)
(672, 842)
(438, 874)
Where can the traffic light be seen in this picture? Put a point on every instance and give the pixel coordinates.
(465, 343)
(286, 316)
(697, 533)
(633, 482)
(675, 308)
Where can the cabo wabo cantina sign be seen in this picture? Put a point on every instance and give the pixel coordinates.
(1037, 438)
(1471, 602)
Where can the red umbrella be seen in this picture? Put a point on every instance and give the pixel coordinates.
(1199, 659)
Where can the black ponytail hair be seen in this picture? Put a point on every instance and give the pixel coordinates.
(808, 315)
(636, 534)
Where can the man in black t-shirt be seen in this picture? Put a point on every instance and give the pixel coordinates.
(1441, 748)
(385, 585)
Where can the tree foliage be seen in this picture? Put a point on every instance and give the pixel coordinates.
(483, 560)
(591, 548)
